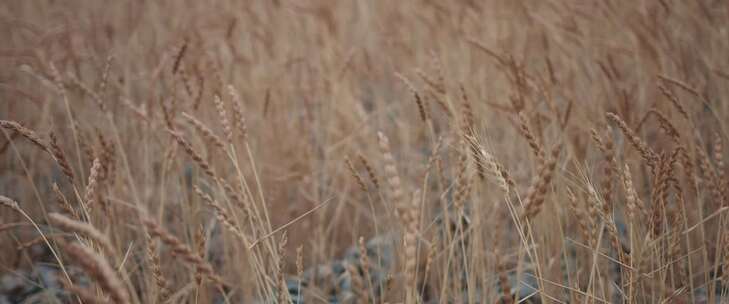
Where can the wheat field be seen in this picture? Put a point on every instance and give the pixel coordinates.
(364, 151)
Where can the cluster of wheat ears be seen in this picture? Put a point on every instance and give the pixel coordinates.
(508, 151)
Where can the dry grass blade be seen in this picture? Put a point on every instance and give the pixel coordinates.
(282, 227)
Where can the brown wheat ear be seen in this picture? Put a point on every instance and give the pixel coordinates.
(538, 190)
(60, 158)
(422, 106)
(370, 171)
(227, 129)
(7, 202)
(201, 266)
(646, 152)
(159, 279)
(222, 215)
(98, 268)
(527, 133)
(393, 178)
(206, 132)
(71, 225)
(26, 133)
(90, 192)
(192, 153)
(238, 119)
